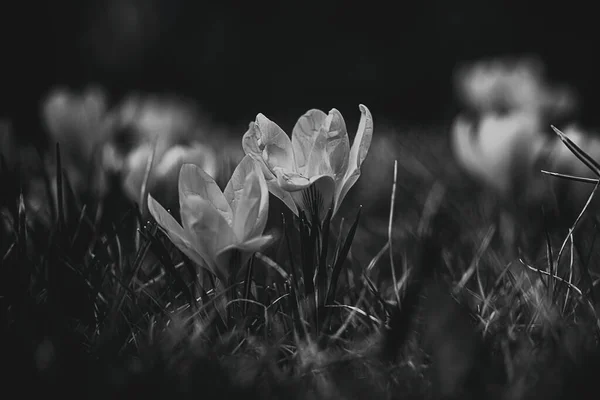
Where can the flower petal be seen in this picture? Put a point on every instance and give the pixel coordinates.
(463, 145)
(210, 231)
(193, 180)
(251, 148)
(248, 175)
(338, 144)
(304, 134)
(274, 144)
(291, 182)
(244, 251)
(501, 151)
(331, 149)
(246, 214)
(317, 198)
(174, 231)
(198, 154)
(358, 152)
(135, 171)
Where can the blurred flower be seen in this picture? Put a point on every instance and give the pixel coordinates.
(170, 130)
(166, 121)
(81, 125)
(217, 224)
(315, 170)
(500, 152)
(513, 85)
(164, 169)
(77, 121)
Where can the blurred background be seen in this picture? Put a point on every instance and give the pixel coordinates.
(238, 58)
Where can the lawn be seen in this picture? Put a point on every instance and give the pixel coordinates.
(408, 291)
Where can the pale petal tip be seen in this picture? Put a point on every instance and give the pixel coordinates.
(364, 109)
(262, 119)
(154, 207)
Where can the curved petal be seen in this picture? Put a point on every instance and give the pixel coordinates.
(251, 148)
(291, 182)
(135, 171)
(338, 144)
(174, 231)
(318, 160)
(244, 251)
(193, 180)
(263, 211)
(358, 152)
(198, 154)
(463, 145)
(274, 143)
(304, 134)
(256, 244)
(207, 227)
(244, 219)
(317, 198)
(508, 148)
(236, 183)
(248, 174)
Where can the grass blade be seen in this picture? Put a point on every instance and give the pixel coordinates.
(341, 258)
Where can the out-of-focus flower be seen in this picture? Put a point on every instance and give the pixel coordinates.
(501, 151)
(164, 121)
(164, 169)
(316, 169)
(172, 132)
(81, 125)
(77, 121)
(215, 224)
(513, 84)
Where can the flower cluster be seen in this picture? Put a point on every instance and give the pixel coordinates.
(312, 172)
(142, 139)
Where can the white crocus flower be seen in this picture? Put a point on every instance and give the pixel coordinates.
(165, 167)
(217, 224)
(314, 170)
(77, 121)
(501, 152)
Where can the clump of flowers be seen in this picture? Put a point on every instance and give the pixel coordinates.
(155, 137)
(219, 230)
(143, 141)
(314, 170)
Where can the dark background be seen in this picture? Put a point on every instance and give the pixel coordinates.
(237, 58)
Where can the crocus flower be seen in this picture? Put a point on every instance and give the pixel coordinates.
(501, 151)
(165, 167)
(315, 169)
(164, 121)
(77, 121)
(513, 84)
(217, 224)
